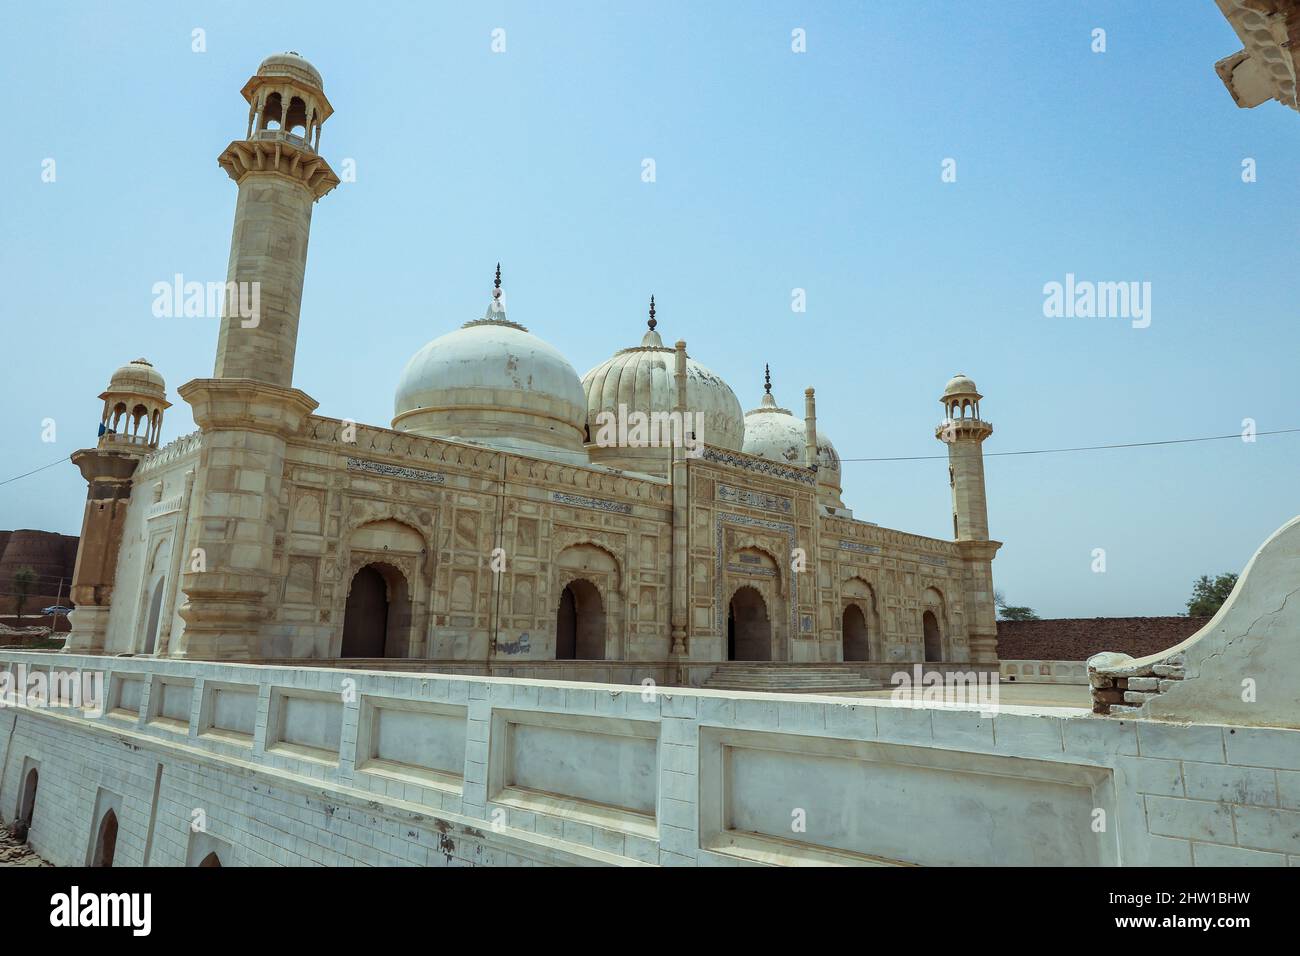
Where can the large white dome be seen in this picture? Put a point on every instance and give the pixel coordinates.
(643, 379)
(494, 382)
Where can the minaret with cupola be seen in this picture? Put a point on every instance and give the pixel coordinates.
(964, 431)
(129, 428)
(280, 175)
(249, 408)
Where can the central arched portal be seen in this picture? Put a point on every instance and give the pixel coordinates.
(377, 619)
(933, 639)
(749, 630)
(580, 623)
(857, 646)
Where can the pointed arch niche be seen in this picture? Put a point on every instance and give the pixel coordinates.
(588, 620)
(383, 608)
(861, 635)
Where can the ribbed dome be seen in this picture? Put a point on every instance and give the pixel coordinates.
(492, 381)
(138, 377)
(643, 379)
(293, 65)
(774, 433)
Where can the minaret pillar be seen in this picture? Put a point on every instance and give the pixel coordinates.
(964, 432)
(681, 510)
(810, 429)
(248, 411)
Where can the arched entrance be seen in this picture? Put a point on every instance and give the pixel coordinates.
(211, 860)
(155, 611)
(857, 646)
(27, 805)
(933, 639)
(580, 623)
(105, 841)
(377, 617)
(749, 630)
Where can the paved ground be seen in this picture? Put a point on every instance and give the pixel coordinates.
(13, 853)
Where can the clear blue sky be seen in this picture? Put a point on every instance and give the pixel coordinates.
(775, 170)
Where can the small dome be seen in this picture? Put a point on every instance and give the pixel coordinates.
(959, 384)
(494, 382)
(643, 379)
(293, 65)
(138, 377)
(776, 434)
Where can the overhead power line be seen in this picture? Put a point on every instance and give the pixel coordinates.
(987, 454)
(1054, 451)
(35, 470)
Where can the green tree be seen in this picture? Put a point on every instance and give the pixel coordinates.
(1012, 612)
(1016, 613)
(1208, 594)
(23, 581)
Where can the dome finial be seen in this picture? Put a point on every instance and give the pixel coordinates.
(652, 323)
(767, 378)
(496, 284)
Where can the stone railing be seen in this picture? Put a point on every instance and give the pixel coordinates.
(318, 765)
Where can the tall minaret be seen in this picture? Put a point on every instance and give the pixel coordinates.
(963, 431)
(249, 409)
(280, 176)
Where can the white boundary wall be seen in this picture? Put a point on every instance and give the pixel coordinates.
(281, 769)
(1044, 672)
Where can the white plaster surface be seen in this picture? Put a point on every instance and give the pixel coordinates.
(644, 778)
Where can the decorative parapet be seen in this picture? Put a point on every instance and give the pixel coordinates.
(409, 450)
(860, 536)
(402, 445)
(1243, 667)
(173, 451)
(762, 466)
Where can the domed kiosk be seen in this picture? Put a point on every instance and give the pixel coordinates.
(134, 403)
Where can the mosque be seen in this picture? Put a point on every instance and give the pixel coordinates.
(500, 523)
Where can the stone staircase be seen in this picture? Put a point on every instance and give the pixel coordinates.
(779, 677)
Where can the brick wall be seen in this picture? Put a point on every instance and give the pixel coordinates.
(1078, 638)
(52, 556)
